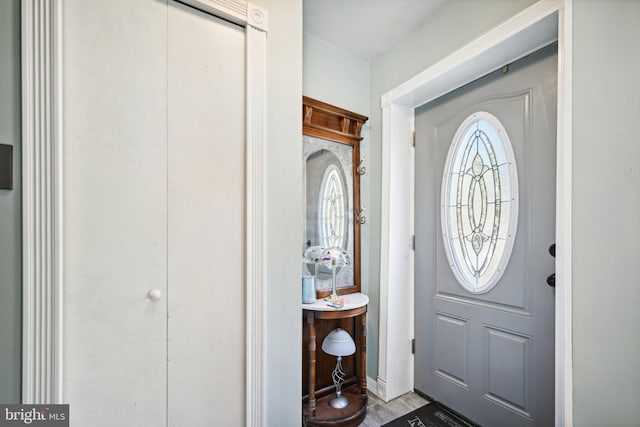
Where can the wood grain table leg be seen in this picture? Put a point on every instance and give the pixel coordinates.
(312, 364)
(363, 356)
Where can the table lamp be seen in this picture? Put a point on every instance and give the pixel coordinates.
(338, 343)
(313, 255)
(334, 259)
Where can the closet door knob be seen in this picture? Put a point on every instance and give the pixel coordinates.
(154, 294)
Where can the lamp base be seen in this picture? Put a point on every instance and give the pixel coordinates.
(339, 402)
(332, 298)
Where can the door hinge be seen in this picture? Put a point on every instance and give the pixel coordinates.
(413, 346)
(414, 138)
(413, 242)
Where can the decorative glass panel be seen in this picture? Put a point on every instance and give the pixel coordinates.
(332, 209)
(479, 202)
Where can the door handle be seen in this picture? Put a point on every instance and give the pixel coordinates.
(551, 280)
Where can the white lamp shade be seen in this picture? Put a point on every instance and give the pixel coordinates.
(339, 343)
(335, 256)
(313, 254)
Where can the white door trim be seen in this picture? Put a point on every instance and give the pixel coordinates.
(42, 130)
(537, 26)
(42, 249)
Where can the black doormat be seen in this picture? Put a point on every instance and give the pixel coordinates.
(430, 415)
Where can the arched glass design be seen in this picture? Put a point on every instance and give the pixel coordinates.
(332, 220)
(479, 202)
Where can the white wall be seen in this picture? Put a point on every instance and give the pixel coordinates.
(335, 76)
(284, 219)
(606, 213)
(456, 24)
(10, 206)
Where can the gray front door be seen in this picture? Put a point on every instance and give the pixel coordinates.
(484, 323)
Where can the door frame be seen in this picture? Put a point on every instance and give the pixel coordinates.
(539, 25)
(43, 197)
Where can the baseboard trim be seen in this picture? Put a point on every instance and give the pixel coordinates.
(372, 386)
(382, 389)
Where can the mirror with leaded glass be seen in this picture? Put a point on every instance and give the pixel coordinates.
(331, 185)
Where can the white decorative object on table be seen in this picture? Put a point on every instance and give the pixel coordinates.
(335, 259)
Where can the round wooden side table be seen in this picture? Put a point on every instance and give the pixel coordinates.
(319, 319)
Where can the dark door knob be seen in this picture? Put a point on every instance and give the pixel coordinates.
(551, 280)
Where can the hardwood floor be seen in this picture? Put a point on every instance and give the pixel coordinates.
(379, 412)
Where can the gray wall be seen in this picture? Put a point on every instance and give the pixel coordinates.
(10, 207)
(456, 24)
(606, 213)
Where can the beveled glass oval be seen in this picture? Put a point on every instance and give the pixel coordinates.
(479, 210)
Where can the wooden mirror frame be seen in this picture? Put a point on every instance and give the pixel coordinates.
(325, 121)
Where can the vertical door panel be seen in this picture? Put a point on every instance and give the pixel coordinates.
(500, 370)
(206, 220)
(115, 212)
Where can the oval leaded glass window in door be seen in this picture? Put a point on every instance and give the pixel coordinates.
(479, 202)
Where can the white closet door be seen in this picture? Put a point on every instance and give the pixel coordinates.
(154, 199)
(206, 168)
(115, 212)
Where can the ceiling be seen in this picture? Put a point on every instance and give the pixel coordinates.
(366, 27)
